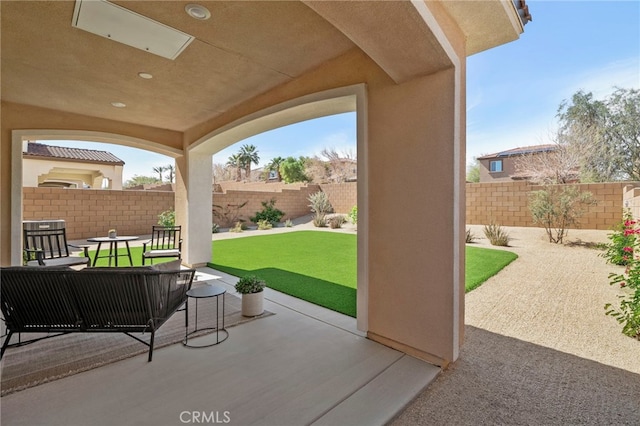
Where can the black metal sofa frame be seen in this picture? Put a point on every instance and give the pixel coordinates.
(104, 300)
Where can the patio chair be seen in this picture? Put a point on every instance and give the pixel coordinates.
(49, 247)
(165, 242)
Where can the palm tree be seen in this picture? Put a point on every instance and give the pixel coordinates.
(171, 169)
(274, 165)
(159, 170)
(236, 161)
(248, 154)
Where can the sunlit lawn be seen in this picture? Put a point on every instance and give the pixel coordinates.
(319, 267)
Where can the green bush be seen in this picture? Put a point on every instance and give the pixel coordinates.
(268, 213)
(353, 215)
(250, 284)
(624, 243)
(496, 235)
(622, 239)
(167, 218)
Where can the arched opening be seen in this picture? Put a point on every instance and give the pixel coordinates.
(346, 99)
(19, 137)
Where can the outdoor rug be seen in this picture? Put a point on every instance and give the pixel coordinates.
(51, 359)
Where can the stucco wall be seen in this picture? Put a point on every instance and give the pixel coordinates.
(506, 203)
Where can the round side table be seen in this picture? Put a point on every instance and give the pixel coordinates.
(205, 292)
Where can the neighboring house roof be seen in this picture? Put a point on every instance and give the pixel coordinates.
(35, 149)
(533, 149)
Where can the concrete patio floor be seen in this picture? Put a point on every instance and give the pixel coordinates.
(304, 365)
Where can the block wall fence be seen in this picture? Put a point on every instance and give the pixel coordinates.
(92, 212)
(506, 203)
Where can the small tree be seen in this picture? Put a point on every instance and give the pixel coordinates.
(559, 208)
(292, 170)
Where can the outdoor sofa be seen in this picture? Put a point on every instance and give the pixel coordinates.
(61, 300)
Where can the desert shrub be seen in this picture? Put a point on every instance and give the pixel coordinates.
(353, 215)
(496, 235)
(238, 227)
(620, 249)
(470, 237)
(264, 224)
(215, 228)
(337, 221)
(228, 215)
(288, 223)
(269, 213)
(319, 221)
(320, 206)
(559, 208)
(167, 218)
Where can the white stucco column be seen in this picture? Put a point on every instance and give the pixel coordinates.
(193, 206)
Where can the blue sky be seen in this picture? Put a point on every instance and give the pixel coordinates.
(513, 91)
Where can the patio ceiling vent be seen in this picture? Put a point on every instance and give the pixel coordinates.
(124, 26)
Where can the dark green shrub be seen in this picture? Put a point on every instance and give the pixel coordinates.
(268, 213)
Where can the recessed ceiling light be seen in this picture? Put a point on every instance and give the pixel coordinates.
(118, 104)
(145, 75)
(197, 12)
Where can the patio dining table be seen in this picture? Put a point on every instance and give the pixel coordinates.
(113, 248)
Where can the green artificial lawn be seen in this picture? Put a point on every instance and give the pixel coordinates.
(321, 267)
(483, 263)
(123, 260)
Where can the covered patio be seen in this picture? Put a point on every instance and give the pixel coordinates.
(303, 365)
(238, 69)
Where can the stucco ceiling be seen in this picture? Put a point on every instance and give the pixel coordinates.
(246, 48)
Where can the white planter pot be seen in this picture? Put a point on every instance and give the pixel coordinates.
(252, 304)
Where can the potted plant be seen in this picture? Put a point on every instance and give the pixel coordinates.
(251, 288)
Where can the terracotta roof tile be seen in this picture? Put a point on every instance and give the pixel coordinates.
(42, 150)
